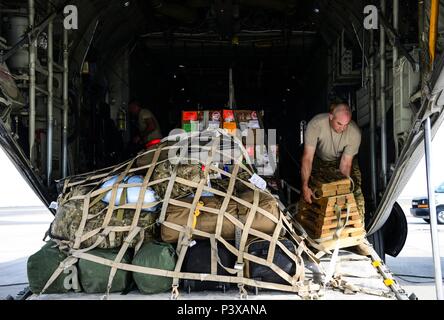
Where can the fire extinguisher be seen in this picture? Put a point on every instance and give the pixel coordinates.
(121, 120)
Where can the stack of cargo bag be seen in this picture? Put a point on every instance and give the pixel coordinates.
(172, 219)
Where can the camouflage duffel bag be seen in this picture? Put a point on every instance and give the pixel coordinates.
(190, 172)
(193, 173)
(69, 215)
(239, 187)
(146, 158)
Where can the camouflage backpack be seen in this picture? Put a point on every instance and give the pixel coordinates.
(190, 172)
(69, 215)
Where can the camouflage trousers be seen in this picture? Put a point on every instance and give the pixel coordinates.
(328, 171)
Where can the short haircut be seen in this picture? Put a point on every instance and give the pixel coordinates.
(341, 106)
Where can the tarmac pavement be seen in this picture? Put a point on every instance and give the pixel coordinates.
(22, 231)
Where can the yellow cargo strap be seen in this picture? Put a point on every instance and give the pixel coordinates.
(122, 201)
(197, 213)
(388, 282)
(97, 199)
(433, 29)
(376, 263)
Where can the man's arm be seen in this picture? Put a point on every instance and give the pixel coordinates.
(350, 150)
(346, 164)
(307, 162)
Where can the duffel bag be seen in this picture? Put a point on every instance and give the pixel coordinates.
(259, 248)
(206, 221)
(41, 266)
(198, 260)
(260, 222)
(146, 158)
(94, 276)
(156, 255)
(190, 172)
(69, 215)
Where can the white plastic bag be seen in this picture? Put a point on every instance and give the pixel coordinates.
(132, 193)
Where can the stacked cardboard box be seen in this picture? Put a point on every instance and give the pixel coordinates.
(229, 121)
(190, 120)
(247, 119)
(242, 123)
(200, 120)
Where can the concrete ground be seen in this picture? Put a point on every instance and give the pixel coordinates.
(414, 265)
(21, 234)
(22, 231)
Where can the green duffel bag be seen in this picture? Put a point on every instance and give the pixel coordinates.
(157, 255)
(94, 276)
(41, 266)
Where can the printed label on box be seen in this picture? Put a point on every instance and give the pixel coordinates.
(191, 126)
(254, 124)
(189, 115)
(230, 127)
(228, 115)
(213, 124)
(215, 116)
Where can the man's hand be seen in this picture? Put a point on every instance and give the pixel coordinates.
(307, 193)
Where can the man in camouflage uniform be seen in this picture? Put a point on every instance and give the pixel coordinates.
(331, 142)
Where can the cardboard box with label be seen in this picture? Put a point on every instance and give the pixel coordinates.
(191, 121)
(212, 119)
(229, 121)
(200, 120)
(247, 119)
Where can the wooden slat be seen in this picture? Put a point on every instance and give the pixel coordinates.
(332, 200)
(330, 224)
(334, 225)
(308, 215)
(334, 184)
(317, 233)
(345, 233)
(332, 212)
(346, 242)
